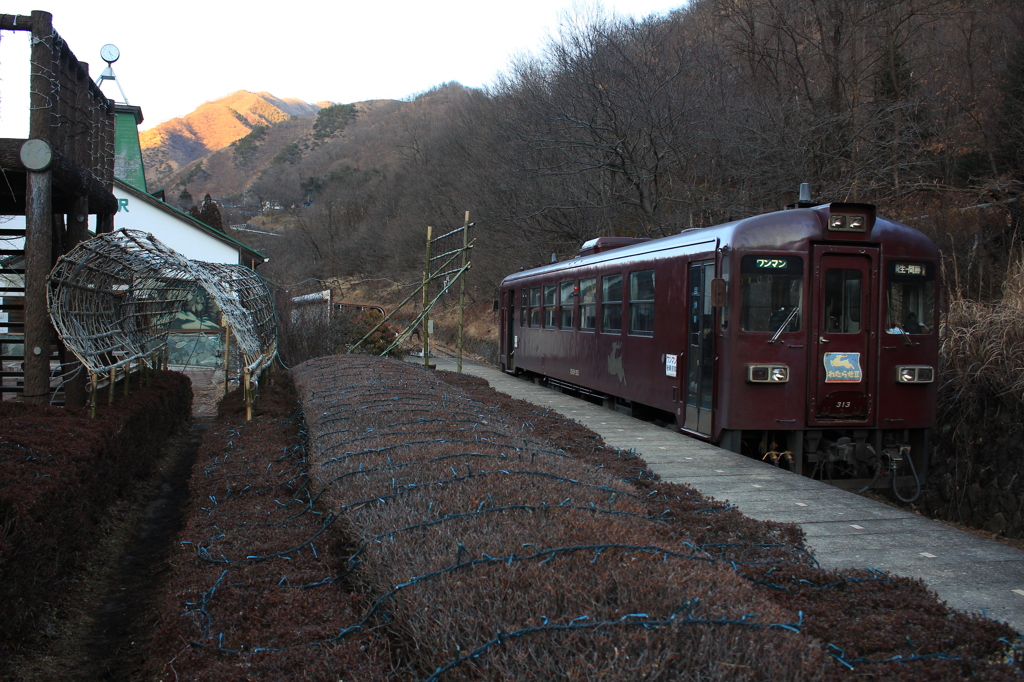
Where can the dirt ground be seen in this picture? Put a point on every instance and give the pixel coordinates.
(97, 630)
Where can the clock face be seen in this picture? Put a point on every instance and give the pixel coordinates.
(109, 53)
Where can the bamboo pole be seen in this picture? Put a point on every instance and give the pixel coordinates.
(426, 314)
(462, 288)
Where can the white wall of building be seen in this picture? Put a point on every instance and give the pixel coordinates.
(134, 213)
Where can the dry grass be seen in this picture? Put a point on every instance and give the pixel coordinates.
(978, 479)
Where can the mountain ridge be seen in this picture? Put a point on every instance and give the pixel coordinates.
(170, 146)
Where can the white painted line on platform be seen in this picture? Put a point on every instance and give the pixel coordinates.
(1020, 592)
(800, 504)
(927, 555)
(854, 525)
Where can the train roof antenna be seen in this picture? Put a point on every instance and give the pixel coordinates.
(805, 196)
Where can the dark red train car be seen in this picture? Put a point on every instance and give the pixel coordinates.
(806, 337)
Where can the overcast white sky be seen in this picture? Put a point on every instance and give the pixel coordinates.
(177, 55)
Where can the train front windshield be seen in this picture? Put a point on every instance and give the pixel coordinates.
(910, 298)
(772, 290)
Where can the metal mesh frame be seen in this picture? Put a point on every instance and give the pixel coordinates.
(112, 299)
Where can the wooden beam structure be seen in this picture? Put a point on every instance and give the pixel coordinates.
(65, 167)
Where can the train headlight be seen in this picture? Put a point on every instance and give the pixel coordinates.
(767, 374)
(848, 223)
(915, 374)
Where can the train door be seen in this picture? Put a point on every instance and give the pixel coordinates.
(699, 348)
(510, 331)
(842, 379)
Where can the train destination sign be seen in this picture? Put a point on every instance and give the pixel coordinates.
(842, 368)
(771, 264)
(910, 269)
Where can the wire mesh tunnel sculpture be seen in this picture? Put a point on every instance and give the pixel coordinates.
(112, 299)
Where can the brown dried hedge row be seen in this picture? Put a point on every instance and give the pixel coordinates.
(59, 472)
(497, 547)
(435, 529)
(253, 591)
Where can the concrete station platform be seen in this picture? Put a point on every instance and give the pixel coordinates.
(844, 530)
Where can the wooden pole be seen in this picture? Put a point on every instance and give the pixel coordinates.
(127, 377)
(113, 380)
(227, 355)
(462, 287)
(38, 235)
(248, 395)
(38, 217)
(77, 232)
(426, 298)
(94, 379)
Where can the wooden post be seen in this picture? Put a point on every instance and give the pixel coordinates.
(127, 376)
(94, 379)
(426, 300)
(113, 380)
(227, 359)
(38, 225)
(77, 232)
(462, 287)
(247, 394)
(38, 217)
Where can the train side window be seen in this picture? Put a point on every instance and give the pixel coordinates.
(641, 303)
(910, 298)
(566, 304)
(611, 304)
(588, 304)
(524, 304)
(842, 300)
(550, 313)
(771, 293)
(534, 306)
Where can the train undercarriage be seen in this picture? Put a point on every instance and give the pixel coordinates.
(851, 458)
